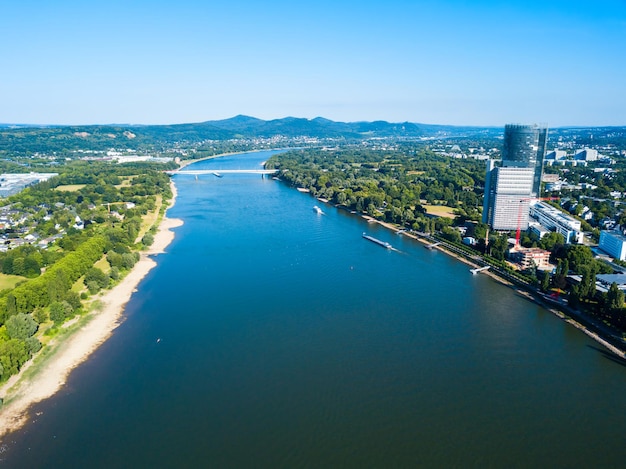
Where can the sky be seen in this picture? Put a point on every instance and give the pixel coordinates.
(481, 62)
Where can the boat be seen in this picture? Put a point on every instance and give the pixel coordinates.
(318, 210)
(216, 174)
(384, 244)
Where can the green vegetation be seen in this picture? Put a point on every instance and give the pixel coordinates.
(8, 282)
(392, 186)
(93, 213)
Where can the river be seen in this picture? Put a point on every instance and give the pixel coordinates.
(272, 336)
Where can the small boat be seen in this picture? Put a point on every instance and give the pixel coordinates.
(318, 210)
(384, 244)
(216, 174)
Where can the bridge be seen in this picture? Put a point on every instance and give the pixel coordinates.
(220, 172)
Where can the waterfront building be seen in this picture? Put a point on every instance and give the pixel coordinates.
(555, 220)
(510, 188)
(613, 243)
(529, 257)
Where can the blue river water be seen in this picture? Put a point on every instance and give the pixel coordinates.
(272, 336)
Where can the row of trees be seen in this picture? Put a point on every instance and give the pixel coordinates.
(51, 295)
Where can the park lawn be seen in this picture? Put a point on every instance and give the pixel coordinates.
(9, 281)
(439, 210)
(70, 187)
(103, 265)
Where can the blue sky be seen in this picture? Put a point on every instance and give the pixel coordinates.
(443, 62)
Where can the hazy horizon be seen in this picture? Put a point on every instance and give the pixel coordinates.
(139, 124)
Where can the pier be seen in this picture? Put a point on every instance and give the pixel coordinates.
(479, 269)
(430, 246)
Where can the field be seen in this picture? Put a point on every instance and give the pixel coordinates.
(9, 281)
(70, 187)
(439, 210)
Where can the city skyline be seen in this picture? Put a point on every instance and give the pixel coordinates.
(483, 63)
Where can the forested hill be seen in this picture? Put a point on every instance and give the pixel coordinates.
(27, 140)
(32, 139)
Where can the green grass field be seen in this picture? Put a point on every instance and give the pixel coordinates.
(70, 187)
(9, 281)
(439, 210)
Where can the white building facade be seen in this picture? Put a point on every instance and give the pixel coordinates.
(510, 198)
(554, 219)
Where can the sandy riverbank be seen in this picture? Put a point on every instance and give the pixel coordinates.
(21, 392)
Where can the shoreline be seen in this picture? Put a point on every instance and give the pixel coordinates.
(564, 312)
(184, 163)
(22, 392)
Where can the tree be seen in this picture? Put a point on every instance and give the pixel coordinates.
(128, 261)
(57, 312)
(615, 298)
(40, 315)
(13, 353)
(588, 283)
(21, 326)
(451, 234)
(73, 299)
(579, 256)
(560, 275)
(33, 344)
(11, 305)
(545, 282)
(93, 287)
(148, 239)
(96, 275)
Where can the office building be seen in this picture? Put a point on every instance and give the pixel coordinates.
(509, 198)
(587, 155)
(524, 147)
(613, 243)
(555, 220)
(510, 188)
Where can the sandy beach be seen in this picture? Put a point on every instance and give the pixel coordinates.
(19, 393)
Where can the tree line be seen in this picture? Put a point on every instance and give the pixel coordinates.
(59, 278)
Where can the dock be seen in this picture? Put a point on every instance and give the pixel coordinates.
(430, 246)
(479, 269)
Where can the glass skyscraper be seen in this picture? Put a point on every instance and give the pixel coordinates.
(510, 188)
(525, 147)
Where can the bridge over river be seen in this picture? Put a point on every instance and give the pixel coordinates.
(220, 172)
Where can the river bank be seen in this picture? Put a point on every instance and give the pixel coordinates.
(562, 311)
(24, 390)
(184, 163)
